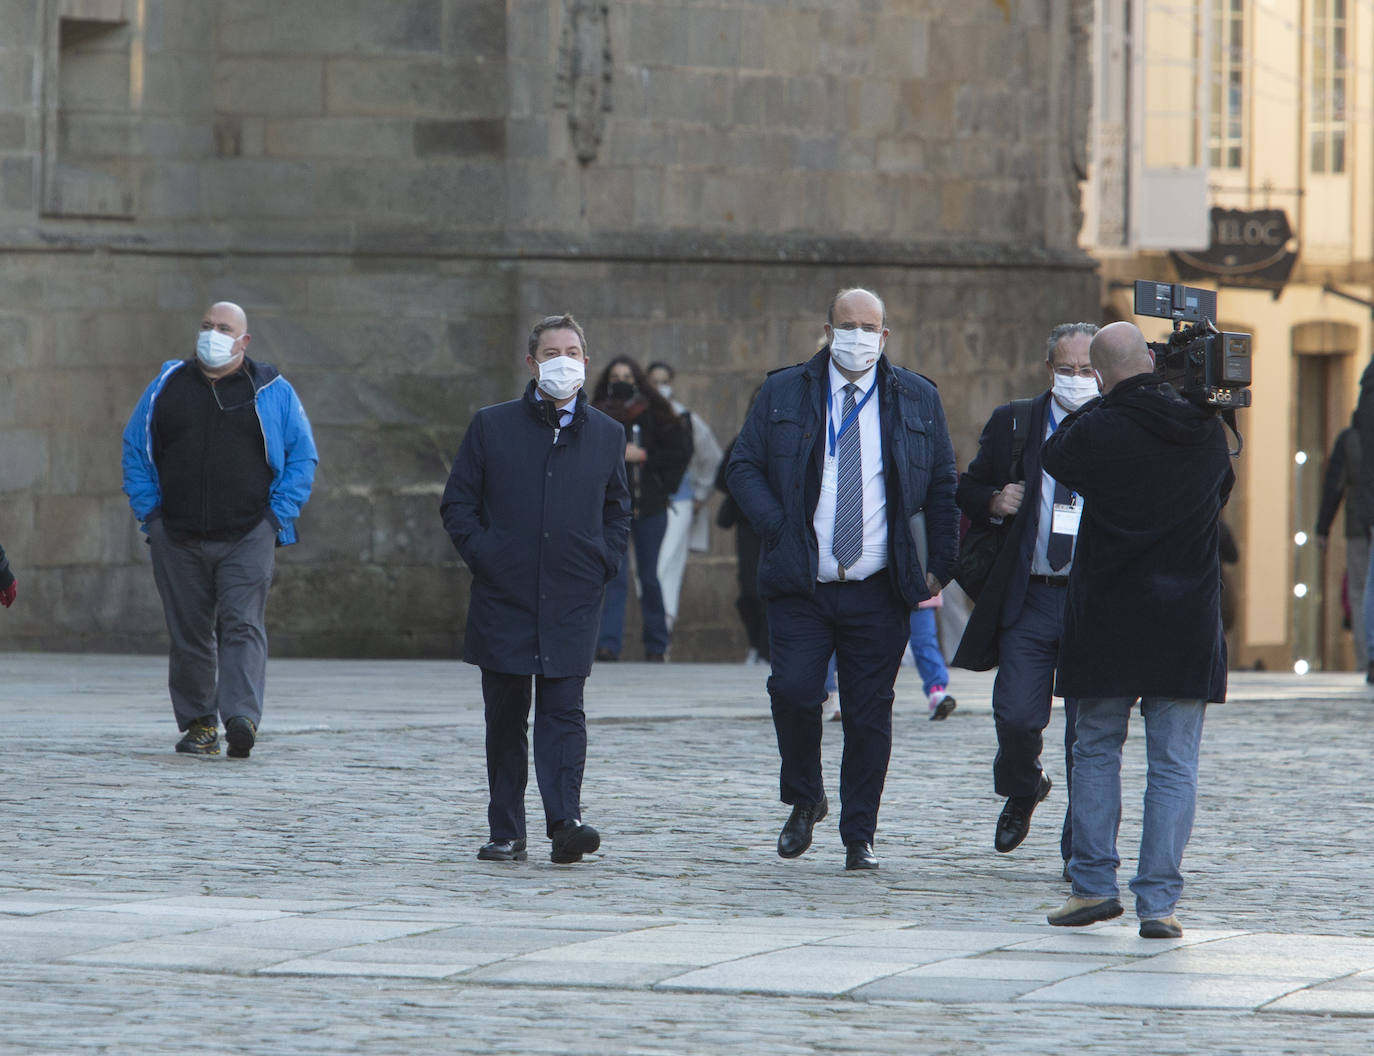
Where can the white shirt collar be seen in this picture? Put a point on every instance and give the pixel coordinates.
(838, 381)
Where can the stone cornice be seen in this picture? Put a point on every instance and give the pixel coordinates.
(667, 247)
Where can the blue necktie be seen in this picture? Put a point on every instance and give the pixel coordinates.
(848, 544)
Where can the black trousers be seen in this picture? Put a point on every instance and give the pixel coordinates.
(560, 749)
(1021, 693)
(865, 624)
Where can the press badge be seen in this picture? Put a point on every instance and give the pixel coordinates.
(1066, 518)
(830, 475)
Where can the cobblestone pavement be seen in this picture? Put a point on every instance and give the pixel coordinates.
(323, 896)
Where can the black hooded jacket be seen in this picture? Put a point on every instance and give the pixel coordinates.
(1143, 616)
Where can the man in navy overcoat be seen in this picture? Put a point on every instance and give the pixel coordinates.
(538, 508)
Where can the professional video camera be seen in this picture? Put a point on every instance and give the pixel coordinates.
(1208, 366)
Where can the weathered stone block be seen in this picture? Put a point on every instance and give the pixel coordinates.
(14, 134)
(407, 529)
(460, 138)
(18, 184)
(334, 529)
(350, 26)
(21, 21)
(25, 464)
(338, 137)
(259, 188)
(270, 86)
(414, 88)
(473, 28)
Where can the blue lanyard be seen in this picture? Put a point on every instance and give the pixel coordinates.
(1073, 495)
(850, 419)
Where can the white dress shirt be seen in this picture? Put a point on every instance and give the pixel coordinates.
(1040, 562)
(874, 557)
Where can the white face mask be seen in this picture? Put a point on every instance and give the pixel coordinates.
(1072, 393)
(666, 391)
(855, 350)
(215, 349)
(561, 376)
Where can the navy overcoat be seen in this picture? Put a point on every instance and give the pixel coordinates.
(541, 516)
(1143, 615)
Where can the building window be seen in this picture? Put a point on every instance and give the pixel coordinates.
(1328, 87)
(1228, 84)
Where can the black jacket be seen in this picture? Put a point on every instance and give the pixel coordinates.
(775, 476)
(1143, 616)
(540, 515)
(999, 604)
(1342, 481)
(667, 441)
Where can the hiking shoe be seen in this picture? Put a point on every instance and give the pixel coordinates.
(1161, 928)
(1077, 911)
(201, 738)
(241, 735)
(941, 703)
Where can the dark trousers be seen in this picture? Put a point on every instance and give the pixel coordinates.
(647, 536)
(865, 625)
(560, 749)
(214, 598)
(1029, 651)
(751, 608)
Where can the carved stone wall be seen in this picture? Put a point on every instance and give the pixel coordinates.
(394, 192)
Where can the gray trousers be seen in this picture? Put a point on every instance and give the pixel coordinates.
(214, 597)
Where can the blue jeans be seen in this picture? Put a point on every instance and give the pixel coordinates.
(925, 649)
(1173, 734)
(647, 534)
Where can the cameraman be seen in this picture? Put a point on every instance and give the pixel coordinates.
(1143, 619)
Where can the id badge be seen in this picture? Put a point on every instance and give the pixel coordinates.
(830, 475)
(1066, 518)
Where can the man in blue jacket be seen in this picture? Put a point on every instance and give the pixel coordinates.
(218, 461)
(538, 508)
(845, 469)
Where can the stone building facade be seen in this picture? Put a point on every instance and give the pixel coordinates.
(395, 190)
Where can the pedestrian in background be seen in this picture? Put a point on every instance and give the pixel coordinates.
(218, 461)
(1342, 481)
(689, 525)
(658, 447)
(9, 586)
(537, 507)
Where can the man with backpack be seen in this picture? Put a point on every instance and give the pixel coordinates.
(1019, 616)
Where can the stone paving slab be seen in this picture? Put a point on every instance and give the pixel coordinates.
(323, 896)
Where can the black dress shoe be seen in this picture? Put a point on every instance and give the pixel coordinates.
(571, 840)
(860, 856)
(795, 837)
(1014, 823)
(503, 851)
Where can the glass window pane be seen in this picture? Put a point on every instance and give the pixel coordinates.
(1318, 156)
(1338, 151)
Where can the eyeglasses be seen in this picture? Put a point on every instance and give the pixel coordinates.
(1070, 372)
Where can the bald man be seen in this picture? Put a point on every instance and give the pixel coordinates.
(218, 462)
(838, 458)
(1142, 621)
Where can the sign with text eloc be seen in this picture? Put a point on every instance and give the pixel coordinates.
(1252, 247)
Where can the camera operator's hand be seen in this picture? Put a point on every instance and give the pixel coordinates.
(1007, 501)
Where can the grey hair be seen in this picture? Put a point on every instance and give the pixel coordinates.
(1064, 330)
